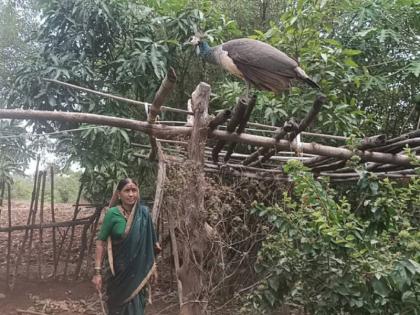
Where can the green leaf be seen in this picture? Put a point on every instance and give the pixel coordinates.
(352, 52)
(380, 287)
(414, 68)
(350, 62)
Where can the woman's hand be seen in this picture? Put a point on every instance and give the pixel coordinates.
(154, 277)
(158, 249)
(97, 282)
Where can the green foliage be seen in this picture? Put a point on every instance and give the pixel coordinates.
(66, 187)
(14, 154)
(324, 257)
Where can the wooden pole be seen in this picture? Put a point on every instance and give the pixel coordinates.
(9, 236)
(69, 249)
(161, 176)
(93, 228)
(194, 244)
(31, 234)
(2, 188)
(83, 246)
(54, 237)
(25, 237)
(41, 222)
(160, 131)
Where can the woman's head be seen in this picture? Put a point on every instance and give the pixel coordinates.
(128, 192)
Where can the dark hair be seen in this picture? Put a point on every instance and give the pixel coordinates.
(124, 182)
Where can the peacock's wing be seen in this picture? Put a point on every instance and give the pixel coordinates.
(261, 64)
(250, 52)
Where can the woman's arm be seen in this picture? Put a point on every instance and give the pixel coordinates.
(99, 255)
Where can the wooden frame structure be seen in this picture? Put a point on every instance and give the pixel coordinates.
(200, 141)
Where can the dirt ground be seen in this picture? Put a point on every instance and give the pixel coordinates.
(67, 298)
(54, 296)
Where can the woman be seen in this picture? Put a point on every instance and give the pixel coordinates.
(128, 235)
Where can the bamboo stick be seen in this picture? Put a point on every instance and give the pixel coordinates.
(175, 255)
(2, 188)
(83, 247)
(25, 237)
(93, 226)
(54, 237)
(41, 221)
(9, 236)
(31, 234)
(69, 249)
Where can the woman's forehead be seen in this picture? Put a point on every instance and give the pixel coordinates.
(130, 186)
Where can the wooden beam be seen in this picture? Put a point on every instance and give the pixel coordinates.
(163, 131)
(45, 225)
(152, 129)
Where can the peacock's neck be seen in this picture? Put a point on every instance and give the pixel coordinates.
(207, 52)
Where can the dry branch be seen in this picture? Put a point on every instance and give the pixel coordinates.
(310, 116)
(220, 119)
(162, 94)
(242, 124)
(237, 116)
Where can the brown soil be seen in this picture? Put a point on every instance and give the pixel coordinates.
(52, 296)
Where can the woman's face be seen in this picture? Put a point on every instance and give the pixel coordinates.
(129, 194)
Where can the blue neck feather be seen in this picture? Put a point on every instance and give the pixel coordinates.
(206, 52)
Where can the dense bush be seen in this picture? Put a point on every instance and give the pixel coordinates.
(323, 256)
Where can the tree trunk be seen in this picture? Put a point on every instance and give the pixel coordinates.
(193, 240)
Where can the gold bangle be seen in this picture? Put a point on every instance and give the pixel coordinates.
(97, 272)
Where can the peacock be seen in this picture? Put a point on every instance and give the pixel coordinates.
(258, 63)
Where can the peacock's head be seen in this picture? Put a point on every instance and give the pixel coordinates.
(196, 39)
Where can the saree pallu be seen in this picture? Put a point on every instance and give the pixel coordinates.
(133, 264)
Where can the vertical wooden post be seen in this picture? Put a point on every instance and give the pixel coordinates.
(193, 243)
(2, 189)
(41, 221)
(31, 233)
(25, 237)
(9, 236)
(160, 181)
(54, 238)
(76, 212)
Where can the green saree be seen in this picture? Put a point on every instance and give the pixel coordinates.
(132, 261)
